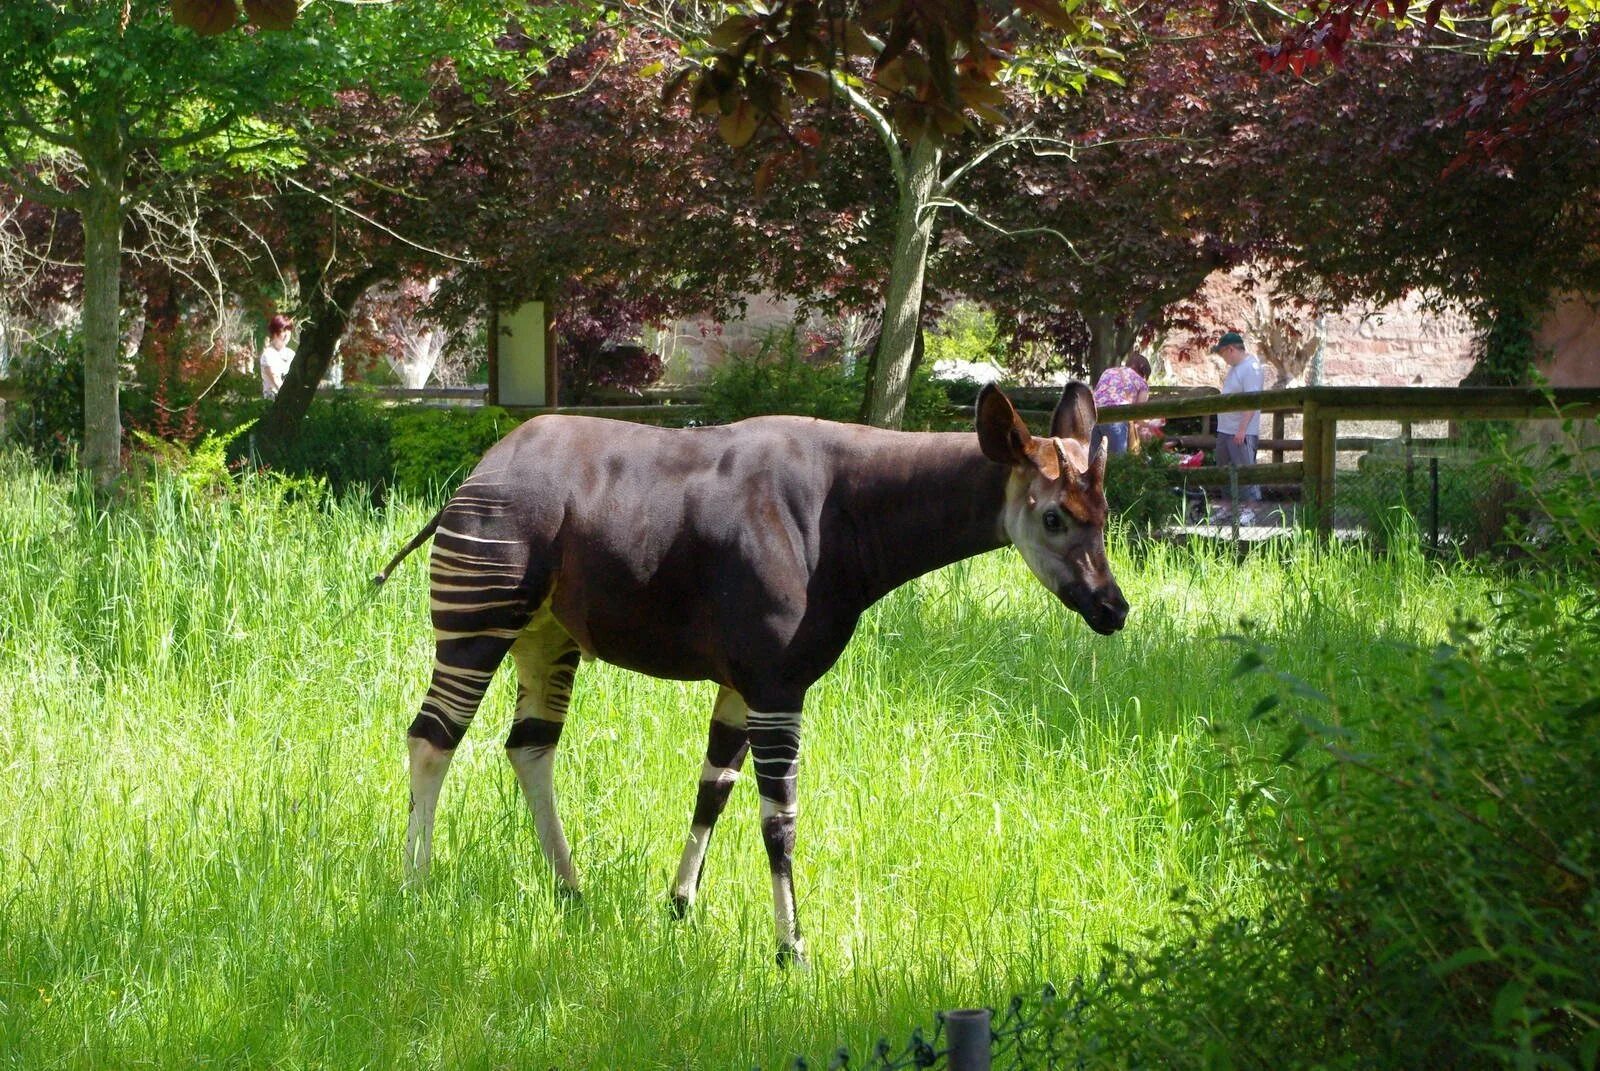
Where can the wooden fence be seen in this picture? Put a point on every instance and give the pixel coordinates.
(1322, 409)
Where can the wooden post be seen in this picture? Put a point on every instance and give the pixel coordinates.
(492, 397)
(1277, 433)
(1311, 456)
(1327, 456)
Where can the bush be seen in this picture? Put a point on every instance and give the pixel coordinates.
(48, 422)
(1429, 859)
(346, 440)
(1475, 500)
(777, 379)
(435, 449)
(1142, 490)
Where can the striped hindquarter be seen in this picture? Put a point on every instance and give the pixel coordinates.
(480, 613)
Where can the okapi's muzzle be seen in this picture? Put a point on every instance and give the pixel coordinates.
(1103, 608)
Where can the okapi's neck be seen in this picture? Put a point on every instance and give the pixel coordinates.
(922, 501)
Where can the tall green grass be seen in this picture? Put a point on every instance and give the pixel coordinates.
(202, 799)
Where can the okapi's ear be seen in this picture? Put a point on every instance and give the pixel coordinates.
(1001, 432)
(1097, 467)
(1075, 414)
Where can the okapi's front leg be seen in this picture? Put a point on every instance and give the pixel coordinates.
(775, 747)
(547, 663)
(725, 751)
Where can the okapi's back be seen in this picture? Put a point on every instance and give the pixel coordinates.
(660, 550)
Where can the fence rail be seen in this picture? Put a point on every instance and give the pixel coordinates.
(1308, 479)
(1321, 409)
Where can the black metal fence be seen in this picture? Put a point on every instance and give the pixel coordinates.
(1036, 1033)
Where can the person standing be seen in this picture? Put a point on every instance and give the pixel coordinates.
(1238, 432)
(1123, 384)
(277, 356)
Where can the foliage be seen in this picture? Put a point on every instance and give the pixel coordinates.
(1142, 490)
(597, 331)
(346, 440)
(776, 378)
(180, 374)
(48, 422)
(111, 105)
(1492, 234)
(966, 332)
(435, 449)
(200, 470)
(1505, 353)
(929, 67)
(779, 378)
(1134, 195)
(1429, 852)
(1475, 501)
(360, 446)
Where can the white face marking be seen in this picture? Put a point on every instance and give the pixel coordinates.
(1025, 531)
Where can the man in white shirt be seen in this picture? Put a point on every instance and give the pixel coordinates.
(1238, 433)
(277, 356)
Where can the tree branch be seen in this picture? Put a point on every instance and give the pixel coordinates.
(28, 186)
(950, 180)
(879, 122)
(948, 202)
(397, 236)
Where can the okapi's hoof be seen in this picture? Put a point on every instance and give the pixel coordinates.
(793, 956)
(568, 894)
(680, 905)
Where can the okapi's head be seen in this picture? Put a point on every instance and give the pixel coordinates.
(1055, 511)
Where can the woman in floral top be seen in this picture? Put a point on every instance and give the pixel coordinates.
(1123, 384)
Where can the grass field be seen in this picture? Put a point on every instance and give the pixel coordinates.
(202, 801)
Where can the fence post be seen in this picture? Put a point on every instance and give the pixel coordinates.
(1327, 457)
(1233, 501)
(1433, 496)
(1410, 493)
(1311, 462)
(1277, 433)
(967, 1030)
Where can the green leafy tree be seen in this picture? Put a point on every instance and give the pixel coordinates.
(103, 105)
(926, 76)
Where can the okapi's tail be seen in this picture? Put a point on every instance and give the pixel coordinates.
(416, 541)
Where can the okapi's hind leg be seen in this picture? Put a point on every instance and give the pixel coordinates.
(547, 662)
(725, 751)
(462, 669)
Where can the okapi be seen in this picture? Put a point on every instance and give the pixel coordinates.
(742, 555)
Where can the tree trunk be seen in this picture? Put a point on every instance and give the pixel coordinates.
(1109, 342)
(327, 314)
(891, 371)
(102, 342)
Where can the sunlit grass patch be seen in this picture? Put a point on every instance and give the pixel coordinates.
(202, 712)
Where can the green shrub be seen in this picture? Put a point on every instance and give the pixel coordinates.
(48, 422)
(776, 379)
(435, 449)
(345, 439)
(1429, 858)
(1475, 500)
(1143, 490)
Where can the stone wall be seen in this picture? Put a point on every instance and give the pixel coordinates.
(1396, 345)
(1402, 344)
(1571, 333)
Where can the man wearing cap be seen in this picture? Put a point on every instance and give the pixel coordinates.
(1237, 433)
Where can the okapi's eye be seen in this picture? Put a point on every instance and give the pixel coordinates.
(1052, 521)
